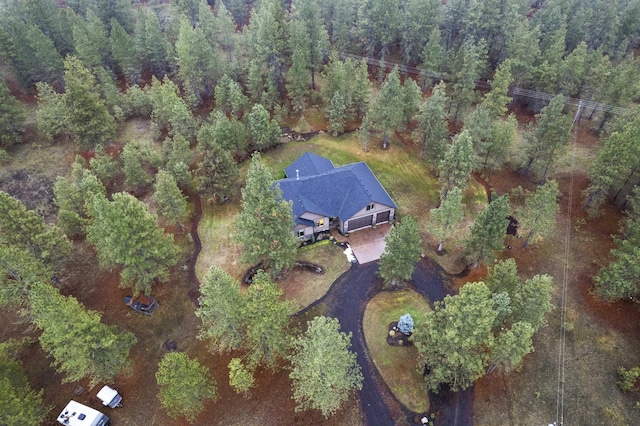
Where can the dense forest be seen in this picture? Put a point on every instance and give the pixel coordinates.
(221, 81)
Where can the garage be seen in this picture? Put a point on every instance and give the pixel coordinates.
(360, 222)
(383, 217)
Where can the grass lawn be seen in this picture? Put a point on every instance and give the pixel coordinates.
(396, 364)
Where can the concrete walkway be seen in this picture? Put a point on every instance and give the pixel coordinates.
(367, 244)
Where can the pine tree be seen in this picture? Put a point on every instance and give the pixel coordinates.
(538, 217)
(263, 132)
(456, 337)
(324, 370)
(125, 234)
(12, 118)
(549, 137)
(124, 53)
(402, 251)
(266, 318)
(171, 201)
(457, 164)
(336, 113)
(221, 304)
(265, 221)
(81, 346)
(85, 114)
(446, 216)
(433, 130)
(185, 385)
(386, 111)
(488, 230)
(197, 63)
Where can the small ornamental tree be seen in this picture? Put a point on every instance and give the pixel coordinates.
(405, 325)
(184, 385)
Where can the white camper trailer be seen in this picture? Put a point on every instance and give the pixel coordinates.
(76, 414)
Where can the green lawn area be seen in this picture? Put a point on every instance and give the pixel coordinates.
(396, 364)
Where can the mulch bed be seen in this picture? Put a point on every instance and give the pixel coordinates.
(398, 338)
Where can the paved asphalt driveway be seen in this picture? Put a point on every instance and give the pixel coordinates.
(346, 301)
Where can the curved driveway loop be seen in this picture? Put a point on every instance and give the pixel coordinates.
(346, 301)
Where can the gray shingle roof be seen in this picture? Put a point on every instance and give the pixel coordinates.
(333, 192)
(309, 164)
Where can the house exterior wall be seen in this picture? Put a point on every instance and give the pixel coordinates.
(374, 209)
(322, 222)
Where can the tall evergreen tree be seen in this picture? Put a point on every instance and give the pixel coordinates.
(171, 201)
(85, 114)
(446, 216)
(81, 346)
(126, 234)
(402, 251)
(549, 137)
(185, 385)
(220, 310)
(538, 217)
(488, 230)
(619, 279)
(386, 111)
(458, 162)
(456, 336)
(324, 370)
(12, 118)
(263, 132)
(265, 220)
(432, 132)
(267, 318)
(198, 67)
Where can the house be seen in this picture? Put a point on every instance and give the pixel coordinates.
(324, 196)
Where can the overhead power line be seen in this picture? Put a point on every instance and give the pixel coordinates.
(584, 104)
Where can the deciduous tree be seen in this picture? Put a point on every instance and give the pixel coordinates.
(324, 370)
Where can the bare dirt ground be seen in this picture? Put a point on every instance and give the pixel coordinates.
(579, 387)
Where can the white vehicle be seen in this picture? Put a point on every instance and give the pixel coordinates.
(110, 397)
(76, 414)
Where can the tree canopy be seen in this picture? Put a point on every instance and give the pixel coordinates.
(324, 370)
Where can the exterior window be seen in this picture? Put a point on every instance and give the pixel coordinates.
(319, 222)
(301, 233)
(370, 206)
